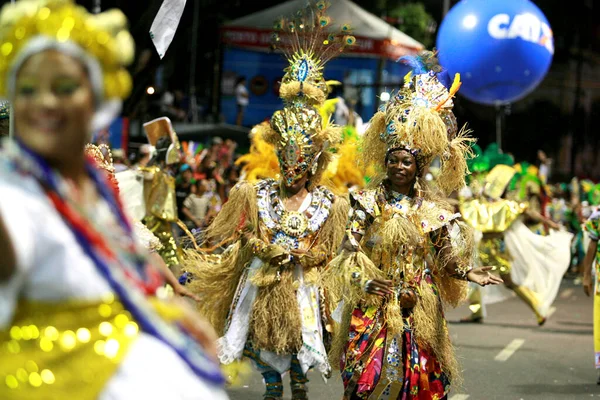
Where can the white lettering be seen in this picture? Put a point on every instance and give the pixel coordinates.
(498, 26)
(525, 26)
(547, 39)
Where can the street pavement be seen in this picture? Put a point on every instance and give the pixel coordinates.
(507, 357)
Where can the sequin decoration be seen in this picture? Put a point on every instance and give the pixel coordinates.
(272, 213)
(285, 241)
(302, 70)
(296, 150)
(102, 36)
(294, 223)
(63, 350)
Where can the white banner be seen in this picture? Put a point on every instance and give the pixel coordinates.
(165, 24)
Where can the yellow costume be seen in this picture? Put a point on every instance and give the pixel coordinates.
(506, 244)
(159, 191)
(592, 227)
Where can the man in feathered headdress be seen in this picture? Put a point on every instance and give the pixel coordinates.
(264, 297)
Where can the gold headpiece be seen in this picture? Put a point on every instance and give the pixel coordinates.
(298, 128)
(497, 180)
(308, 44)
(102, 36)
(419, 119)
(101, 155)
(162, 127)
(302, 138)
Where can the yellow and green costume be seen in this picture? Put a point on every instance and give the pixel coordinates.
(592, 227)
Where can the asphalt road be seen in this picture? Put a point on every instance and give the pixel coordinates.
(507, 357)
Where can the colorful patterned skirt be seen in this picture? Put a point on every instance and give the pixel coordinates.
(381, 364)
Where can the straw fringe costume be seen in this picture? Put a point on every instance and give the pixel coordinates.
(265, 302)
(398, 347)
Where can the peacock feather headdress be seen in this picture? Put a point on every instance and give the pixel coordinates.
(308, 43)
(302, 137)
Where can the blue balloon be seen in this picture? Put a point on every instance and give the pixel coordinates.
(501, 48)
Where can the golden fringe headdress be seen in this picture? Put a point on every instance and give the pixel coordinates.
(419, 119)
(102, 37)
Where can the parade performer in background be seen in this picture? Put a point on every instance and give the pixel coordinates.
(159, 187)
(102, 156)
(532, 266)
(406, 249)
(591, 278)
(265, 297)
(78, 313)
(526, 186)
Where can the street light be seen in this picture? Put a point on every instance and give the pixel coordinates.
(150, 90)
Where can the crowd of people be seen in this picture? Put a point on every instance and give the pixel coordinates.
(319, 248)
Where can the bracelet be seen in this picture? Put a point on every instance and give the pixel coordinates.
(461, 273)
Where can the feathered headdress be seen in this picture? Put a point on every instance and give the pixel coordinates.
(302, 138)
(419, 119)
(308, 44)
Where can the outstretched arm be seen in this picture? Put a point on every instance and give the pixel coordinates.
(460, 268)
(180, 290)
(536, 216)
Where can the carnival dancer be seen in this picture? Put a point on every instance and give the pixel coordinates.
(102, 156)
(531, 265)
(591, 278)
(78, 313)
(159, 187)
(264, 297)
(406, 249)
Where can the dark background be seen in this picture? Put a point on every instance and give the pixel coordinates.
(565, 108)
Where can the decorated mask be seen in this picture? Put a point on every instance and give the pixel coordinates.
(297, 152)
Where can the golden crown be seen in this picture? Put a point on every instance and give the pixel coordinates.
(101, 155)
(102, 36)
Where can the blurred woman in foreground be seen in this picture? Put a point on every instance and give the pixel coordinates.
(78, 312)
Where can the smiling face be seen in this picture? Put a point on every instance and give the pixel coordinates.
(53, 106)
(401, 168)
